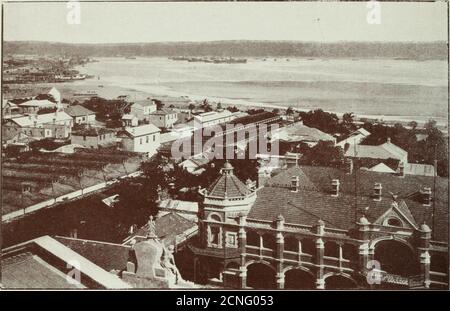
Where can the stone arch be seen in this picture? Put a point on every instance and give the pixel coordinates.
(396, 256)
(232, 265)
(215, 217)
(298, 278)
(373, 243)
(340, 280)
(264, 262)
(261, 275)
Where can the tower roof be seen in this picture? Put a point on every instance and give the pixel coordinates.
(227, 185)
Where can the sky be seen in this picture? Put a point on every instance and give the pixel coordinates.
(112, 22)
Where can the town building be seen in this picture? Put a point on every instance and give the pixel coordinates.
(354, 138)
(50, 125)
(297, 132)
(80, 114)
(143, 138)
(194, 165)
(385, 151)
(129, 120)
(307, 229)
(211, 118)
(35, 105)
(93, 137)
(9, 109)
(142, 109)
(164, 118)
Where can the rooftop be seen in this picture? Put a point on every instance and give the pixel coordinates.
(314, 201)
(383, 151)
(227, 185)
(28, 121)
(91, 131)
(300, 132)
(144, 103)
(78, 111)
(164, 111)
(141, 130)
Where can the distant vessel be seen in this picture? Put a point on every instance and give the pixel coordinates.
(213, 60)
(130, 57)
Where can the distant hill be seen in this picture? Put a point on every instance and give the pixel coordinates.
(410, 50)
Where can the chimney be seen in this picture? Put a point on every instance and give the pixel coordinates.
(295, 183)
(426, 196)
(377, 191)
(335, 187)
(349, 166)
(401, 169)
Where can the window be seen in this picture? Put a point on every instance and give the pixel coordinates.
(394, 222)
(154, 137)
(84, 118)
(140, 140)
(231, 239)
(84, 137)
(147, 139)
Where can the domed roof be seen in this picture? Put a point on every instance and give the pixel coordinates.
(424, 227)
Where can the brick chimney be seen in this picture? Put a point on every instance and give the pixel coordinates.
(426, 196)
(377, 190)
(335, 187)
(295, 183)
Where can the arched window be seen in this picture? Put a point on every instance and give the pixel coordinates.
(215, 217)
(331, 249)
(291, 244)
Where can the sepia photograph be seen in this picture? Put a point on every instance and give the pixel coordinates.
(224, 146)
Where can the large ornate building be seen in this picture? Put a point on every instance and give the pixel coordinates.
(323, 228)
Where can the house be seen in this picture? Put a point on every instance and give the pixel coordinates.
(194, 165)
(381, 152)
(354, 138)
(144, 138)
(213, 118)
(12, 137)
(297, 132)
(186, 209)
(34, 105)
(142, 109)
(80, 114)
(319, 227)
(93, 137)
(129, 120)
(9, 109)
(50, 125)
(164, 118)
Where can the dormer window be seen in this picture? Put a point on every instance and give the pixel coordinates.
(394, 222)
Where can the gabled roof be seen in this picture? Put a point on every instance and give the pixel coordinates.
(384, 151)
(213, 115)
(381, 168)
(78, 111)
(300, 132)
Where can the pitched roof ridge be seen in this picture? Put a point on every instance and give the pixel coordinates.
(313, 214)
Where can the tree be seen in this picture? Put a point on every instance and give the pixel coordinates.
(191, 107)
(324, 153)
(289, 111)
(413, 124)
(276, 110)
(219, 106)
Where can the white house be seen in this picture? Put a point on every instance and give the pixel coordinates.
(213, 117)
(144, 138)
(142, 109)
(381, 152)
(164, 118)
(129, 120)
(354, 138)
(80, 114)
